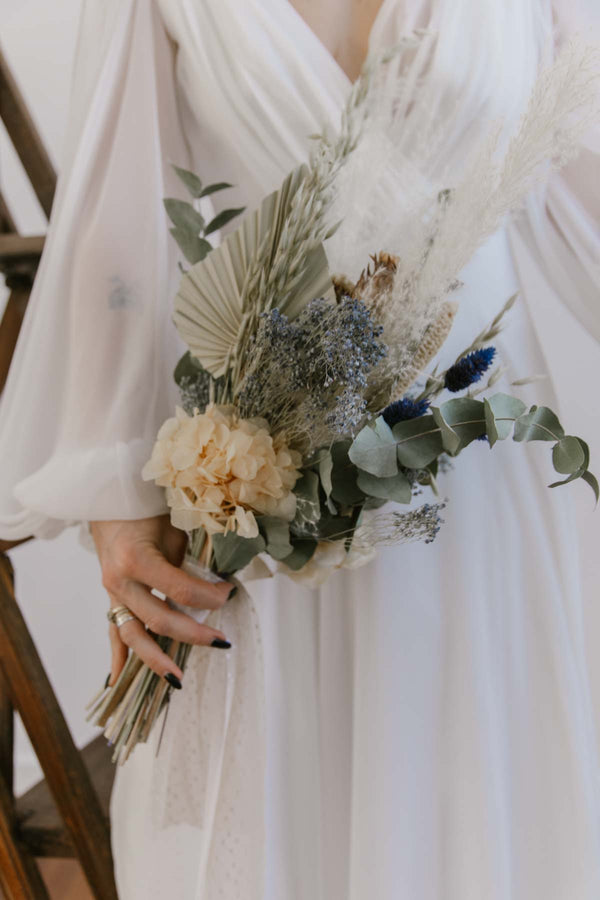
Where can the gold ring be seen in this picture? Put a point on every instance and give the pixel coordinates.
(118, 615)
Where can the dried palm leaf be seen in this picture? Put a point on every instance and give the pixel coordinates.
(210, 306)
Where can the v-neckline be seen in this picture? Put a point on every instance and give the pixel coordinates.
(324, 48)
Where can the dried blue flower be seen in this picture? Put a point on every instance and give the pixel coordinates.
(314, 369)
(387, 529)
(404, 409)
(469, 369)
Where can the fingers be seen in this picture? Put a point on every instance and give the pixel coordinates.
(149, 567)
(119, 652)
(137, 639)
(162, 620)
(159, 618)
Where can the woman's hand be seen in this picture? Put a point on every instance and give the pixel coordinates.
(136, 556)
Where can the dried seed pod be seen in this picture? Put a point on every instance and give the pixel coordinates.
(433, 339)
(373, 283)
(343, 288)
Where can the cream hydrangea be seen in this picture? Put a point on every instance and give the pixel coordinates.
(218, 470)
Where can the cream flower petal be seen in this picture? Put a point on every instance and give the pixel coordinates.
(246, 523)
(214, 462)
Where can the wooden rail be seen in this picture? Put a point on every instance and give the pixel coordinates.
(26, 139)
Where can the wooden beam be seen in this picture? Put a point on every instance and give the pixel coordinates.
(7, 735)
(40, 825)
(7, 223)
(20, 878)
(8, 545)
(66, 774)
(14, 247)
(10, 327)
(26, 139)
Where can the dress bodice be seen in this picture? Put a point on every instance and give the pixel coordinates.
(256, 81)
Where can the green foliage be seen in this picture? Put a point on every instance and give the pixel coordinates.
(591, 479)
(277, 536)
(191, 181)
(396, 488)
(213, 188)
(183, 215)
(325, 468)
(501, 410)
(418, 441)
(222, 219)
(374, 450)
(568, 455)
(539, 424)
(460, 421)
(450, 428)
(190, 230)
(233, 553)
(187, 367)
(194, 248)
(303, 551)
(344, 476)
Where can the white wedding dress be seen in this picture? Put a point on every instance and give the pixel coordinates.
(425, 730)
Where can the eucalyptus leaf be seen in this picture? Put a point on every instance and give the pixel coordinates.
(277, 535)
(222, 219)
(461, 421)
(568, 456)
(308, 506)
(591, 479)
(374, 503)
(374, 450)
(301, 554)
(187, 367)
(183, 215)
(418, 441)
(574, 477)
(191, 181)
(344, 475)
(233, 553)
(396, 488)
(325, 470)
(586, 454)
(213, 188)
(539, 424)
(501, 411)
(194, 248)
(334, 526)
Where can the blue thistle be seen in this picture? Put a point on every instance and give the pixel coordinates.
(469, 369)
(404, 409)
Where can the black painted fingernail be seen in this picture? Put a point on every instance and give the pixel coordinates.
(173, 680)
(233, 592)
(106, 683)
(222, 645)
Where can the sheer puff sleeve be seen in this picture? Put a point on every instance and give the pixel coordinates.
(556, 240)
(91, 379)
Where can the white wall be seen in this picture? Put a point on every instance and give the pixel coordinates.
(58, 581)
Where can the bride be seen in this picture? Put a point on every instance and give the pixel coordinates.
(421, 727)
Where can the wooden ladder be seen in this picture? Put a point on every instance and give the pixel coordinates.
(66, 814)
